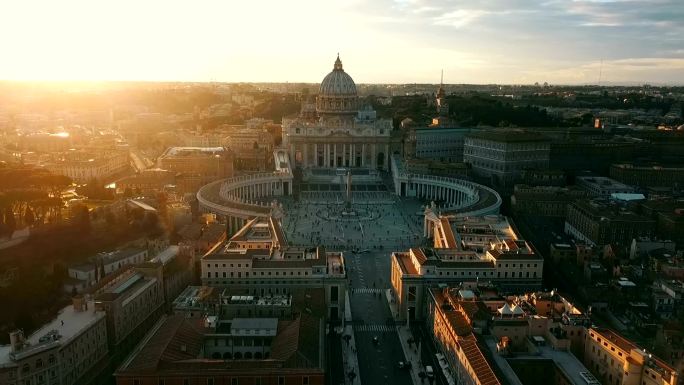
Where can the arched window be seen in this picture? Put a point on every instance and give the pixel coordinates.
(248, 355)
(39, 363)
(227, 356)
(257, 356)
(237, 355)
(216, 355)
(51, 359)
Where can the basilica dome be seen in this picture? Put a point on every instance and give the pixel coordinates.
(337, 94)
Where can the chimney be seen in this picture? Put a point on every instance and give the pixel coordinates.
(16, 340)
(78, 302)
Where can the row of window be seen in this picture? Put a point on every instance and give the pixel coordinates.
(239, 274)
(491, 274)
(233, 381)
(249, 282)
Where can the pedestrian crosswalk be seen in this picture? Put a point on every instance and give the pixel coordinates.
(375, 328)
(366, 290)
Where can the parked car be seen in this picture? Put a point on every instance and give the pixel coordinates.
(429, 372)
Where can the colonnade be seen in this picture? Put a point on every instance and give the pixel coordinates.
(448, 195)
(335, 155)
(233, 224)
(259, 190)
(237, 198)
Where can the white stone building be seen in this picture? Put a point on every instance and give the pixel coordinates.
(257, 259)
(66, 350)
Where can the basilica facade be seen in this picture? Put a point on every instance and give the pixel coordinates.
(337, 131)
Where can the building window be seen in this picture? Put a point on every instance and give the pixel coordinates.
(234, 381)
(136, 382)
(281, 380)
(186, 381)
(210, 381)
(412, 293)
(161, 382)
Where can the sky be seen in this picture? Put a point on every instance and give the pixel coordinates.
(379, 41)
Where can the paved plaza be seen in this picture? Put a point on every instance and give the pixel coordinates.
(379, 221)
(368, 223)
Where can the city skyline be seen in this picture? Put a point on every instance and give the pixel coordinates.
(403, 41)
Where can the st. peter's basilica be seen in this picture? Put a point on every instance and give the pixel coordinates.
(337, 131)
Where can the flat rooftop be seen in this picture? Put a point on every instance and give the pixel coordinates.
(128, 286)
(186, 151)
(603, 182)
(262, 326)
(166, 255)
(267, 300)
(193, 296)
(68, 324)
(565, 361)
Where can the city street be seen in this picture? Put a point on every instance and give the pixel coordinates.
(369, 273)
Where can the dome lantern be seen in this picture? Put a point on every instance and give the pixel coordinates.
(338, 64)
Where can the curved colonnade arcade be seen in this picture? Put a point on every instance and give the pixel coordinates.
(455, 196)
(240, 198)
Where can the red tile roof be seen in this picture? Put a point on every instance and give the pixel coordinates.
(176, 339)
(448, 233)
(484, 373)
(420, 255)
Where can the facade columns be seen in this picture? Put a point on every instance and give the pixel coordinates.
(305, 157)
(387, 157)
(363, 155)
(316, 154)
(326, 155)
(344, 155)
(353, 154)
(335, 155)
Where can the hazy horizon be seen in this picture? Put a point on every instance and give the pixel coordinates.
(611, 42)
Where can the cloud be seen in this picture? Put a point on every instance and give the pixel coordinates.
(459, 18)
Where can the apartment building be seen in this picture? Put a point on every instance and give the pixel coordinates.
(68, 350)
(257, 259)
(464, 249)
(503, 155)
(616, 360)
(132, 301)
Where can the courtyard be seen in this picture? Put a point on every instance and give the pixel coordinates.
(374, 220)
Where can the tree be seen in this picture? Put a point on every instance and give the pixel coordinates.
(10, 220)
(109, 217)
(150, 222)
(29, 217)
(82, 218)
